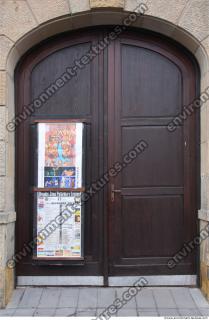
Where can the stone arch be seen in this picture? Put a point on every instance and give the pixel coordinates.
(107, 17)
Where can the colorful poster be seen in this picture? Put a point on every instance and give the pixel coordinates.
(60, 155)
(59, 222)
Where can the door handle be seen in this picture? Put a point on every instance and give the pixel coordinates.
(113, 192)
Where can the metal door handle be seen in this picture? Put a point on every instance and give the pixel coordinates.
(113, 191)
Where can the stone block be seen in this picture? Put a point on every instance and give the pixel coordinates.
(5, 46)
(79, 5)
(204, 84)
(204, 191)
(2, 122)
(2, 158)
(204, 124)
(2, 247)
(10, 245)
(9, 284)
(107, 3)
(205, 44)
(204, 158)
(195, 18)
(16, 19)
(49, 9)
(3, 88)
(204, 279)
(10, 194)
(2, 193)
(165, 9)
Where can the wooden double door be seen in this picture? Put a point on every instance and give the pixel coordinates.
(147, 208)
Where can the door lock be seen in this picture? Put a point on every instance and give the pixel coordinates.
(113, 192)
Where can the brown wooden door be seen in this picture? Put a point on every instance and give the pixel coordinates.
(153, 211)
(79, 98)
(128, 93)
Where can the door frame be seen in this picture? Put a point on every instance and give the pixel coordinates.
(109, 101)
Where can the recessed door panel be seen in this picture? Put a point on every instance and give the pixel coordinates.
(72, 98)
(161, 165)
(152, 226)
(151, 84)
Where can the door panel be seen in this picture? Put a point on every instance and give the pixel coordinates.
(151, 80)
(162, 163)
(68, 101)
(153, 221)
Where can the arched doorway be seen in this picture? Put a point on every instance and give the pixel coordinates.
(146, 208)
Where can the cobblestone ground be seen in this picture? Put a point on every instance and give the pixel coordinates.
(93, 301)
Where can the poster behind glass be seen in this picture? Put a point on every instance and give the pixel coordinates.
(60, 155)
(59, 225)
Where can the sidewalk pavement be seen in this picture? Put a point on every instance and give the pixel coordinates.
(90, 302)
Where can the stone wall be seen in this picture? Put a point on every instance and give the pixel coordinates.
(24, 23)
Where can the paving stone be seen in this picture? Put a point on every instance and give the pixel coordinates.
(24, 312)
(31, 298)
(106, 296)
(16, 298)
(127, 313)
(198, 298)
(7, 312)
(145, 300)
(168, 312)
(44, 312)
(65, 312)
(87, 298)
(50, 298)
(204, 312)
(189, 312)
(68, 298)
(106, 313)
(121, 294)
(164, 298)
(86, 313)
(63, 302)
(99, 311)
(182, 298)
(148, 313)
